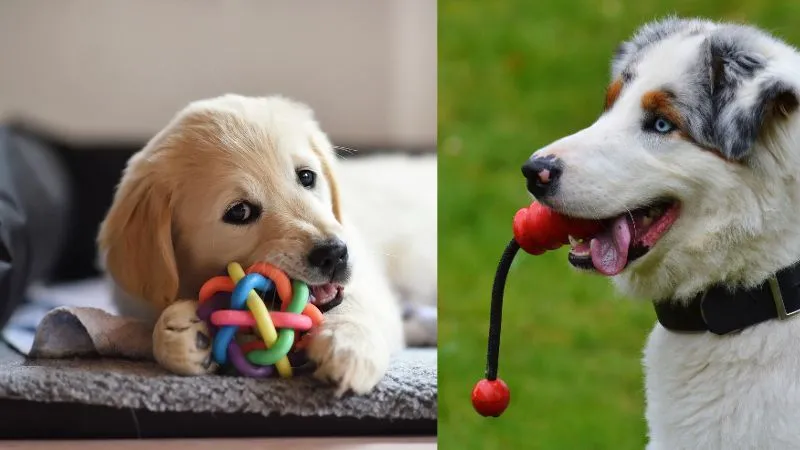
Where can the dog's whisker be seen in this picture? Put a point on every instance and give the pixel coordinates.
(633, 220)
(345, 149)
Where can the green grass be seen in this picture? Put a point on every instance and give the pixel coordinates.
(514, 76)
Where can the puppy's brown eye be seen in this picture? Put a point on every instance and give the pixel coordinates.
(241, 213)
(306, 178)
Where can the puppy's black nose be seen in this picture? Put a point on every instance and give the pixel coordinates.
(329, 257)
(542, 173)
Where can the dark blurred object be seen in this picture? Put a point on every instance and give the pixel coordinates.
(94, 169)
(35, 195)
(53, 196)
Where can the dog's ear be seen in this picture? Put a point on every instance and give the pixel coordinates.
(136, 236)
(326, 153)
(745, 100)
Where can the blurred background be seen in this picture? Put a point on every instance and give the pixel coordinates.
(515, 75)
(101, 70)
(86, 83)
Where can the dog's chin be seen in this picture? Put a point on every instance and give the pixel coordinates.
(624, 239)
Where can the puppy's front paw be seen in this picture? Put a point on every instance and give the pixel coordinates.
(181, 341)
(349, 352)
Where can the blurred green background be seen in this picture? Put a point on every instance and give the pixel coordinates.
(514, 76)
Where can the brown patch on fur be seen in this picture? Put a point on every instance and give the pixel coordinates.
(660, 103)
(612, 93)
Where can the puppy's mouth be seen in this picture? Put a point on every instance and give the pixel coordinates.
(326, 294)
(624, 238)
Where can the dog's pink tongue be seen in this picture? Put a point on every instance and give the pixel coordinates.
(609, 249)
(324, 293)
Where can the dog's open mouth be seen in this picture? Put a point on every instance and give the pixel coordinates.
(624, 238)
(324, 294)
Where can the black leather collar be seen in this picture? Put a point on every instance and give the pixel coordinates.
(722, 311)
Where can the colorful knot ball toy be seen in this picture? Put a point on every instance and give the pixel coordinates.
(246, 336)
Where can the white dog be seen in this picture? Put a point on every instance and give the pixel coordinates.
(695, 166)
(241, 179)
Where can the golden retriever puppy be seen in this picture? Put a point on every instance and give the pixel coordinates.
(247, 179)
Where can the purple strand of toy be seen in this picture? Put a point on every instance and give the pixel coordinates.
(244, 366)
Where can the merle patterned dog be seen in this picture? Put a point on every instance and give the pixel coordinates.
(694, 165)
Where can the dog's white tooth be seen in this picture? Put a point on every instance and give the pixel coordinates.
(572, 241)
(647, 221)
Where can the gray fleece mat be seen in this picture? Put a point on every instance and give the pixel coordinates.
(407, 392)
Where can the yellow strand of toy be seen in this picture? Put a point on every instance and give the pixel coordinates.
(263, 320)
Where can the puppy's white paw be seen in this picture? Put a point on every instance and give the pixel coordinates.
(181, 341)
(350, 352)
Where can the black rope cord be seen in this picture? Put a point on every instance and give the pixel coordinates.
(496, 312)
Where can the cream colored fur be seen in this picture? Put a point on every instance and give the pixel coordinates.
(164, 236)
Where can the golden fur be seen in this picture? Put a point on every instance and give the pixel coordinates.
(163, 236)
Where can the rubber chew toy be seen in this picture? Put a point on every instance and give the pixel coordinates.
(281, 335)
(537, 229)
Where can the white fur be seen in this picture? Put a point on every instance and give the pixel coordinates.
(738, 225)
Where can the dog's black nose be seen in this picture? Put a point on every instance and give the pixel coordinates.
(542, 173)
(329, 257)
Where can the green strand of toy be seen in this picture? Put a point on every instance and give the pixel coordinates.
(285, 336)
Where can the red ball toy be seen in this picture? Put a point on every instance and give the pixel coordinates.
(538, 228)
(490, 397)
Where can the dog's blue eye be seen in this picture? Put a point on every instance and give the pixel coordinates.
(663, 126)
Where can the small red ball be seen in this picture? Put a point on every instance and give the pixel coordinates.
(490, 398)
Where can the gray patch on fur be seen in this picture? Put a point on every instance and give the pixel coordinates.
(630, 51)
(742, 126)
(708, 101)
(715, 115)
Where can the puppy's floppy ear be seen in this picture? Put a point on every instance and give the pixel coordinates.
(324, 150)
(745, 102)
(136, 236)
